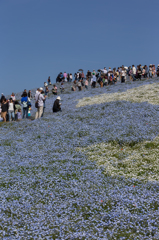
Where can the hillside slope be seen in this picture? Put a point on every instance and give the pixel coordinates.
(88, 172)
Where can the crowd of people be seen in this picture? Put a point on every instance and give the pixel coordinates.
(12, 110)
(108, 77)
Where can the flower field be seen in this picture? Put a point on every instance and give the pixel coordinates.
(88, 172)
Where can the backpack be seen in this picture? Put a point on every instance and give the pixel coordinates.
(29, 104)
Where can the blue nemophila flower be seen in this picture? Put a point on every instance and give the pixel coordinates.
(52, 189)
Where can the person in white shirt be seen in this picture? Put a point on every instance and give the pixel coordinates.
(93, 80)
(71, 77)
(13, 96)
(11, 109)
(104, 70)
(40, 99)
(123, 74)
(134, 72)
(109, 70)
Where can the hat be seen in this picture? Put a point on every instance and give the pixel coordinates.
(41, 89)
(58, 98)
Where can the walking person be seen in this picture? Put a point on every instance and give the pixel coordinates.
(4, 107)
(39, 98)
(139, 72)
(123, 74)
(94, 80)
(49, 80)
(17, 107)
(24, 101)
(29, 94)
(86, 84)
(150, 71)
(134, 73)
(11, 110)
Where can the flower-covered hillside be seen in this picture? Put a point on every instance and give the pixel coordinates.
(84, 173)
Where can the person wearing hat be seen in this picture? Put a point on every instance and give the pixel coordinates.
(57, 105)
(39, 98)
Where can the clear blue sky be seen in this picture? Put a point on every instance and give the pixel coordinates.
(43, 37)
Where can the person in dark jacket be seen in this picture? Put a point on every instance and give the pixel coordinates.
(2, 97)
(4, 106)
(24, 93)
(29, 94)
(57, 105)
(157, 71)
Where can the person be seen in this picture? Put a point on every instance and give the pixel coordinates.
(39, 98)
(24, 101)
(115, 78)
(109, 70)
(29, 111)
(100, 81)
(61, 77)
(104, 70)
(146, 71)
(143, 71)
(133, 72)
(73, 88)
(86, 83)
(153, 70)
(75, 76)
(68, 77)
(94, 81)
(13, 96)
(4, 107)
(17, 107)
(49, 80)
(57, 105)
(29, 95)
(71, 78)
(65, 76)
(82, 75)
(62, 87)
(1, 119)
(11, 109)
(24, 93)
(46, 91)
(19, 115)
(2, 97)
(123, 75)
(150, 71)
(45, 84)
(139, 72)
(45, 94)
(54, 90)
(157, 71)
(79, 85)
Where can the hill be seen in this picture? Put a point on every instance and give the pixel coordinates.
(88, 172)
